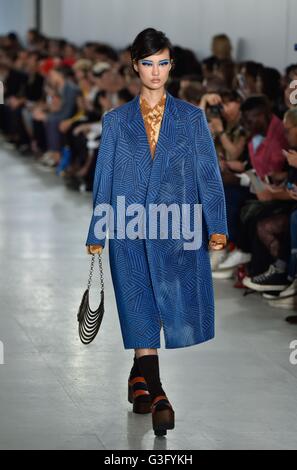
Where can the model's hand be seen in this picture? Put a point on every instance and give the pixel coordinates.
(94, 249)
(217, 242)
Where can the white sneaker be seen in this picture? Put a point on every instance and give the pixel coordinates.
(289, 303)
(234, 259)
(217, 257)
(289, 292)
(45, 157)
(223, 274)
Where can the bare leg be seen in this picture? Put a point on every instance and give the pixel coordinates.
(145, 352)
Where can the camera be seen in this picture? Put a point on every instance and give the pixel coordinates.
(215, 111)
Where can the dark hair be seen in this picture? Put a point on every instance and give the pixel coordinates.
(259, 102)
(271, 82)
(13, 36)
(149, 42)
(35, 33)
(125, 95)
(290, 68)
(230, 95)
(186, 62)
(64, 70)
(193, 92)
(108, 51)
(252, 68)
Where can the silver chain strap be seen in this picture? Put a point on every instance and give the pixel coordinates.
(100, 270)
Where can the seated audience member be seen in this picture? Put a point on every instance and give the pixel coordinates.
(185, 63)
(278, 231)
(81, 175)
(32, 39)
(225, 71)
(51, 119)
(75, 139)
(224, 117)
(266, 141)
(221, 48)
(12, 43)
(247, 77)
(267, 136)
(21, 106)
(192, 93)
(269, 84)
(14, 83)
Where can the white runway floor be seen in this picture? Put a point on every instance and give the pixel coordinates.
(235, 392)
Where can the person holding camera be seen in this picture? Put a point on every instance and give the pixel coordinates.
(230, 139)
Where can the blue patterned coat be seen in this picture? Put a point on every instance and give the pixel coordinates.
(156, 282)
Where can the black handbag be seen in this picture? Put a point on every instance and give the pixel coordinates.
(89, 320)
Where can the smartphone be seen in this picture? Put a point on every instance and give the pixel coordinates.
(292, 187)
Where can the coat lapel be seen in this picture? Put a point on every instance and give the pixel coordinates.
(151, 171)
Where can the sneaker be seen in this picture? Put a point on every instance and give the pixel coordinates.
(224, 274)
(290, 291)
(289, 303)
(271, 280)
(234, 259)
(217, 257)
(47, 156)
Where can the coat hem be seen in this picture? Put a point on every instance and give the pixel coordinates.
(147, 346)
(204, 340)
(142, 347)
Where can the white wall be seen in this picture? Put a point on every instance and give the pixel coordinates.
(19, 16)
(292, 32)
(51, 18)
(263, 30)
(16, 15)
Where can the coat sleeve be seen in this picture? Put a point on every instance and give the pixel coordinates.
(210, 185)
(102, 186)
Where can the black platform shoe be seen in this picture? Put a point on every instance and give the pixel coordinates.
(139, 395)
(162, 415)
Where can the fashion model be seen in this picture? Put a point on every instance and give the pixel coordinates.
(157, 150)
